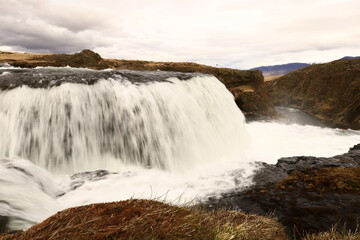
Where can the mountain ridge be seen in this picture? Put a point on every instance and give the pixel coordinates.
(282, 69)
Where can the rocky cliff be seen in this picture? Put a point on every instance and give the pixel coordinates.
(329, 91)
(247, 87)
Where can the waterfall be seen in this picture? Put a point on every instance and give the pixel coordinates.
(70, 120)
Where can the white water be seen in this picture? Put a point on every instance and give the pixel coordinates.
(271, 141)
(168, 125)
(192, 134)
(27, 193)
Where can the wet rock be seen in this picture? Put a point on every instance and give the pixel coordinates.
(268, 174)
(92, 176)
(306, 194)
(78, 179)
(4, 220)
(48, 78)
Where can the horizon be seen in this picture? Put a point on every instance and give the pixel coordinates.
(233, 34)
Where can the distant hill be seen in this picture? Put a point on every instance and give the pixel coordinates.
(348, 57)
(275, 70)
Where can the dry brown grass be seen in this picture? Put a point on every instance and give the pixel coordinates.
(333, 235)
(232, 225)
(334, 179)
(244, 88)
(267, 79)
(150, 220)
(6, 56)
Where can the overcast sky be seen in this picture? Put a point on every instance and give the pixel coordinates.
(228, 33)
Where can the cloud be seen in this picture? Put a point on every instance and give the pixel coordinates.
(228, 33)
(43, 27)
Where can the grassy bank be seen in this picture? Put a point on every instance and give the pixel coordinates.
(151, 220)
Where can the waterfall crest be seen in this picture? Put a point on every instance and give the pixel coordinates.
(70, 120)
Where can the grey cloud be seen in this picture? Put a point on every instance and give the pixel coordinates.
(75, 19)
(45, 40)
(36, 27)
(229, 33)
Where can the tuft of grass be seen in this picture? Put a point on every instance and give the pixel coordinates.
(232, 225)
(334, 235)
(271, 78)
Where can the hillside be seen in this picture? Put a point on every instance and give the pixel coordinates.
(329, 91)
(282, 69)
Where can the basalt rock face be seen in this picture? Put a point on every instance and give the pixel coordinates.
(247, 87)
(306, 194)
(48, 78)
(329, 91)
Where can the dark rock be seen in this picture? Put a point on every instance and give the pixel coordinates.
(48, 78)
(355, 149)
(4, 221)
(255, 106)
(327, 91)
(92, 176)
(290, 164)
(4, 65)
(268, 174)
(306, 194)
(78, 179)
(350, 159)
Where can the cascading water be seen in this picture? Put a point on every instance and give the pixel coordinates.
(167, 121)
(173, 136)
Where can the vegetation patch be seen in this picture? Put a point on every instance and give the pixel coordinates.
(334, 235)
(336, 179)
